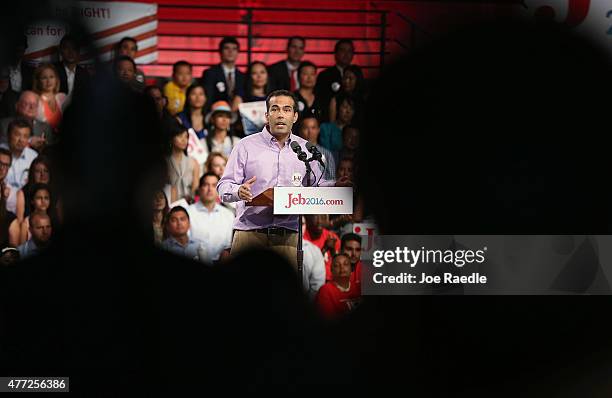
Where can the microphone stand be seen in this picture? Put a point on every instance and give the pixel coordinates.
(300, 250)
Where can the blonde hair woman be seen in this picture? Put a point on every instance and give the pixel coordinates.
(46, 84)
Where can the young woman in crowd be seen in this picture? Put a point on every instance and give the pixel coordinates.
(40, 202)
(192, 115)
(220, 137)
(351, 87)
(331, 132)
(184, 171)
(308, 103)
(39, 173)
(160, 209)
(216, 163)
(10, 227)
(51, 105)
(257, 82)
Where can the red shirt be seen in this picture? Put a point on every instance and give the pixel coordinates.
(320, 243)
(356, 276)
(332, 302)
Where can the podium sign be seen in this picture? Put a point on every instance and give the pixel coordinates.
(313, 200)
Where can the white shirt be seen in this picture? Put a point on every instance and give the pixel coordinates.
(70, 77)
(212, 228)
(17, 175)
(15, 77)
(313, 268)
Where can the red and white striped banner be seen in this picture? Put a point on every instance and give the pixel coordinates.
(108, 22)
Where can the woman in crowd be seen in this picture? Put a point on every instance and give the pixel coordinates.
(184, 171)
(160, 209)
(192, 115)
(39, 173)
(331, 132)
(216, 163)
(40, 202)
(51, 105)
(10, 227)
(350, 87)
(220, 139)
(257, 82)
(308, 103)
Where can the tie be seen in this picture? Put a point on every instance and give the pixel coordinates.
(230, 84)
(292, 79)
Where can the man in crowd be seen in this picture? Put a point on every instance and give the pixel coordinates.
(326, 240)
(283, 75)
(128, 46)
(27, 108)
(309, 130)
(20, 73)
(350, 142)
(338, 296)
(224, 82)
(159, 99)
(8, 97)
(41, 230)
(73, 78)
(328, 81)
(5, 164)
(351, 246)
(211, 223)
(124, 69)
(179, 242)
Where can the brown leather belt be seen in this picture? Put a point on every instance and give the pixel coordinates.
(275, 231)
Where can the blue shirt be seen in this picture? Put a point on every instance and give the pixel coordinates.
(17, 175)
(189, 251)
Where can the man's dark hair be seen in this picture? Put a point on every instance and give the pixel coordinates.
(122, 58)
(343, 41)
(6, 152)
(18, 122)
(178, 64)
(70, 38)
(282, 93)
(338, 255)
(127, 38)
(147, 90)
(349, 237)
(177, 209)
(292, 38)
(208, 174)
(347, 128)
(228, 40)
(305, 64)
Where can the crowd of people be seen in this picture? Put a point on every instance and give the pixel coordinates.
(200, 119)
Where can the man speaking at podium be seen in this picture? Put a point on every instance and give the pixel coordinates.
(261, 161)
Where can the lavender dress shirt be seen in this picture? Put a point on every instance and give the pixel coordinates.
(259, 155)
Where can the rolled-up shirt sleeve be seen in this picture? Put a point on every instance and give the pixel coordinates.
(233, 176)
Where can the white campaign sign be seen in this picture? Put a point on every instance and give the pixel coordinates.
(313, 200)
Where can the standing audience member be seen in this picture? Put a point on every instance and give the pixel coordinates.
(41, 231)
(284, 74)
(124, 68)
(338, 296)
(19, 131)
(27, 108)
(39, 173)
(309, 130)
(257, 82)
(224, 82)
(128, 46)
(183, 170)
(160, 209)
(176, 89)
(9, 225)
(178, 241)
(211, 223)
(72, 77)
(308, 103)
(52, 102)
(220, 138)
(192, 116)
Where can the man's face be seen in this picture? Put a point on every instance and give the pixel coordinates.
(183, 76)
(345, 112)
(345, 169)
(126, 71)
(128, 48)
(160, 101)
(313, 225)
(229, 53)
(70, 53)
(40, 228)
(350, 140)
(352, 249)
(5, 165)
(208, 190)
(18, 138)
(27, 106)
(341, 267)
(281, 115)
(295, 51)
(344, 55)
(310, 130)
(178, 224)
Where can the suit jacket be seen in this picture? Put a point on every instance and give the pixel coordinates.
(278, 76)
(213, 80)
(27, 76)
(327, 80)
(81, 78)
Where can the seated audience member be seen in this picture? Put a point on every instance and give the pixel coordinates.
(284, 74)
(52, 102)
(313, 276)
(27, 108)
(160, 209)
(128, 46)
(39, 173)
(211, 223)
(308, 102)
(329, 81)
(225, 82)
(331, 133)
(177, 228)
(351, 246)
(344, 173)
(256, 83)
(8, 97)
(9, 225)
(183, 171)
(309, 130)
(9, 256)
(220, 137)
(351, 87)
(40, 202)
(73, 77)
(176, 89)
(192, 115)
(215, 163)
(327, 241)
(40, 230)
(18, 135)
(350, 142)
(124, 69)
(338, 296)
(159, 100)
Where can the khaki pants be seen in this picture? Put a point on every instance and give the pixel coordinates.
(285, 245)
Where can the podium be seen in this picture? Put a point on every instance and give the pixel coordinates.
(305, 200)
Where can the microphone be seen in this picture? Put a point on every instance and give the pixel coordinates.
(295, 146)
(316, 154)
